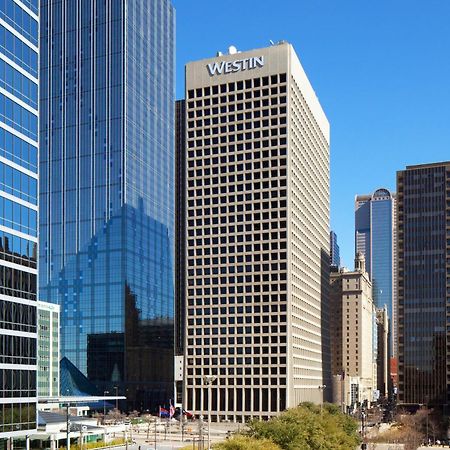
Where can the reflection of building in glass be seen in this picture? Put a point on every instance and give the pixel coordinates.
(376, 240)
(335, 258)
(48, 349)
(423, 195)
(18, 215)
(107, 164)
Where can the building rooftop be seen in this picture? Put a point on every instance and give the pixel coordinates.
(427, 165)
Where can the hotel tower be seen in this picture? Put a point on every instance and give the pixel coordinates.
(257, 225)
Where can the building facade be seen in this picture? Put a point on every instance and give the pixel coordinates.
(335, 257)
(257, 145)
(375, 238)
(383, 379)
(423, 228)
(353, 337)
(180, 215)
(48, 350)
(107, 190)
(19, 33)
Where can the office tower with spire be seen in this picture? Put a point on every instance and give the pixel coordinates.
(375, 238)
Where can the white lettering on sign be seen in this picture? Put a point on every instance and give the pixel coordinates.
(235, 66)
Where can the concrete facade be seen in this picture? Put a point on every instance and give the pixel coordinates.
(352, 334)
(257, 235)
(48, 349)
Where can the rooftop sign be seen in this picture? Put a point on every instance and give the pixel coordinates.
(225, 67)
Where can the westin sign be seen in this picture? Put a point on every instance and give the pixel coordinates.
(235, 66)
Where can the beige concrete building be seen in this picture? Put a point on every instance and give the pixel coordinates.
(353, 335)
(257, 235)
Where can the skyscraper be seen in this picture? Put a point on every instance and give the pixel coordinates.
(18, 215)
(257, 235)
(375, 239)
(423, 196)
(180, 247)
(107, 189)
(335, 257)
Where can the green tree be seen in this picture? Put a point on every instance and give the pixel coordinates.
(239, 442)
(309, 427)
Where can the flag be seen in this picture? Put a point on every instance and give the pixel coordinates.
(171, 410)
(163, 412)
(188, 414)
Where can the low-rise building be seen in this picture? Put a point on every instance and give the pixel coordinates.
(48, 349)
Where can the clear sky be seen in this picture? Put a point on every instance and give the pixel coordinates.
(381, 70)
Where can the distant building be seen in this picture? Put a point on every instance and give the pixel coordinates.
(375, 238)
(423, 195)
(257, 143)
(335, 258)
(48, 350)
(352, 335)
(383, 380)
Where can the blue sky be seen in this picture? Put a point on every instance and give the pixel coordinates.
(381, 70)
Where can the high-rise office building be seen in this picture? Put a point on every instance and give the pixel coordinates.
(375, 238)
(18, 215)
(335, 257)
(107, 190)
(180, 246)
(383, 351)
(353, 341)
(180, 215)
(423, 196)
(48, 350)
(257, 145)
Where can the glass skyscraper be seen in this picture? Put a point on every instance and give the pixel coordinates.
(18, 215)
(107, 190)
(424, 284)
(335, 258)
(375, 238)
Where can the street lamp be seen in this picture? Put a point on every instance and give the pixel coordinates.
(321, 388)
(209, 380)
(116, 388)
(104, 405)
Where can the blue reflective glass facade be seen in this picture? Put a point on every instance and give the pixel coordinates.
(107, 190)
(382, 253)
(18, 217)
(335, 257)
(375, 239)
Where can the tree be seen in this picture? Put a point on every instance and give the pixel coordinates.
(239, 442)
(309, 427)
(114, 416)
